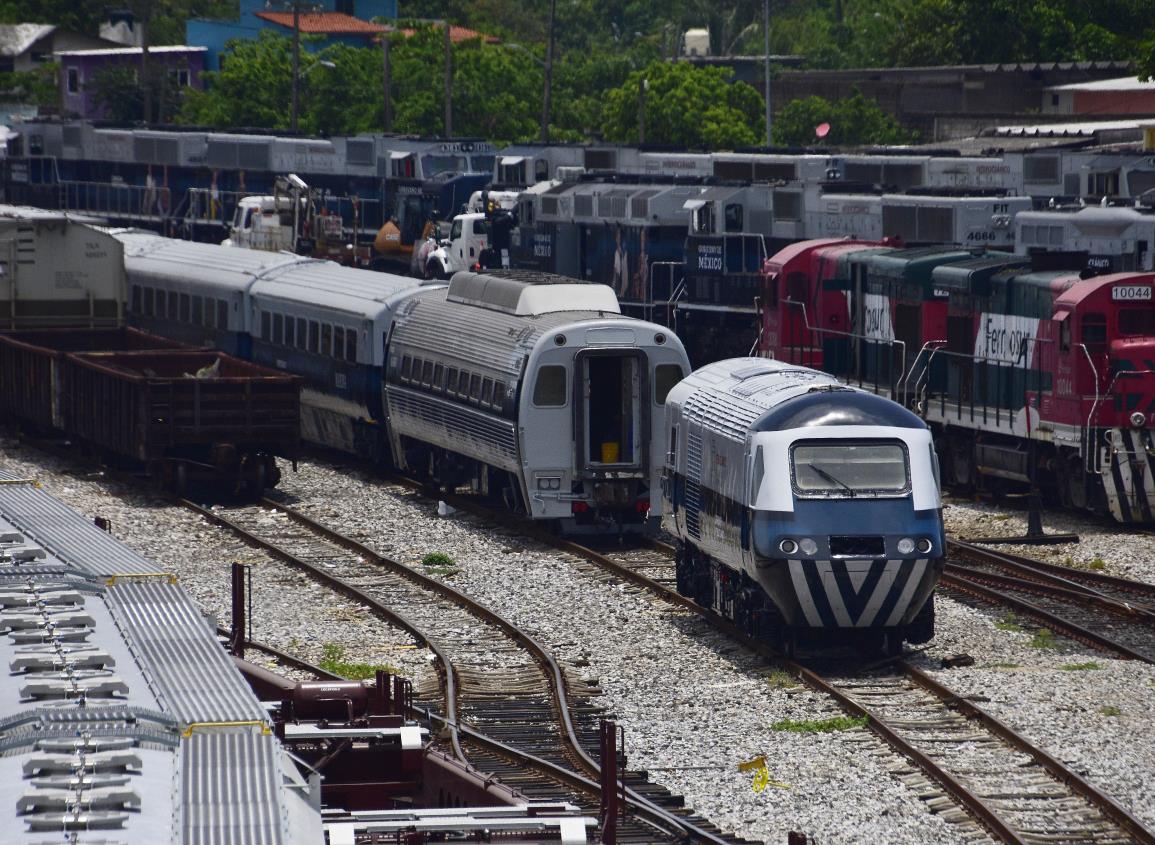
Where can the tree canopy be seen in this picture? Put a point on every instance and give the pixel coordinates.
(684, 106)
(854, 121)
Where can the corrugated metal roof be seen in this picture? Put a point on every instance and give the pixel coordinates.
(242, 765)
(127, 692)
(65, 533)
(191, 674)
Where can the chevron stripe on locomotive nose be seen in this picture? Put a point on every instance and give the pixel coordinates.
(855, 593)
(1131, 494)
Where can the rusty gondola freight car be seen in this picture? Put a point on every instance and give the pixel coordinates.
(184, 415)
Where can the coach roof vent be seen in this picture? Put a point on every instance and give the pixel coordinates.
(527, 293)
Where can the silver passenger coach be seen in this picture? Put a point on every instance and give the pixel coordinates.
(536, 389)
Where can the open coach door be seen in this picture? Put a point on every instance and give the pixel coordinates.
(613, 417)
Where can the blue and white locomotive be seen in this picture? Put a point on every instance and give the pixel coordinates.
(802, 504)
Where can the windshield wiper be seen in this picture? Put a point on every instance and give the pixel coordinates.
(832, 479)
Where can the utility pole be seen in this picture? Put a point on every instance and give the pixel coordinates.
(145, 70)
(766, 34)
(545, 97)
(643, 86)
(386, 81)
(448, 82)
(296, 65)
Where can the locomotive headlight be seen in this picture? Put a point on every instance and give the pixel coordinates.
(788, 546)
(808, 546)
(925, 545)
(1138, 419)
(905, 546)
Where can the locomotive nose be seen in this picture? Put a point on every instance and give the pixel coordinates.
(1132, 367)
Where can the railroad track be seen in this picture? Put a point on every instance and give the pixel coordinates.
(1136, 594)
(505, 703)
(1110, 614)
(972, 768)
(1017, 792)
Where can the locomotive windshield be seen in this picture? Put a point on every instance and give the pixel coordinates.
(843, 469)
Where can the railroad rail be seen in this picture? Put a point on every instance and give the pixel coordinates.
(999, 779)
(506, 702)
(1105, 613)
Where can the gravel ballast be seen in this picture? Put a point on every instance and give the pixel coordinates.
(694, 706)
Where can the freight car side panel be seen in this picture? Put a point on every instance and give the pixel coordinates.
(154, 405)
(29, 367)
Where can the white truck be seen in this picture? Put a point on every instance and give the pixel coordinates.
(291, 220)
(478, 237)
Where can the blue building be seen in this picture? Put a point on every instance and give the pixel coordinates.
(338, 21)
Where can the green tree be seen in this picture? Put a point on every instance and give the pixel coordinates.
(118, 90)
(854, 121)
(38, 87)
(253, 88)
(685, 106)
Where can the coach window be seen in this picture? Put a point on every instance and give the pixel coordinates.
(406, 367)
(326, 339)
(185, 308)
(550, 389)
(198, 310)
(222, 314)
(137, 298)
(487, 392)
(665, 377)
(172, 309)
(290, 331)
(451, 381)
(475, 387)
(314, 337)
(302, 334)
(149, 302)
(427, 374)
(278, 329)
(351, 345)
(267, 326)
(338, 342)
(438, 377)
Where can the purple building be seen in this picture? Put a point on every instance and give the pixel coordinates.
(78, 68)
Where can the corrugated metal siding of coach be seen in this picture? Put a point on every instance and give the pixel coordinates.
(477, 336)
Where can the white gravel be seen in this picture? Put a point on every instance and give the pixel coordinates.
(693, 705)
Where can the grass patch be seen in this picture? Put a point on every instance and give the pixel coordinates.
(781, 679)
(1110, 710)
(438, 559)
(1010, 622)
(333, 660)
(820, 726)
(1097, 563)
(1044, 638)
(1090, 665)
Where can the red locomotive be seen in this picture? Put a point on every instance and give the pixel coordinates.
(1028, 375)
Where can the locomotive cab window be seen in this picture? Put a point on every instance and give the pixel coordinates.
(843, 469)
(1136, 321)
(550, 389)
(1095, 332)
(665, 377)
